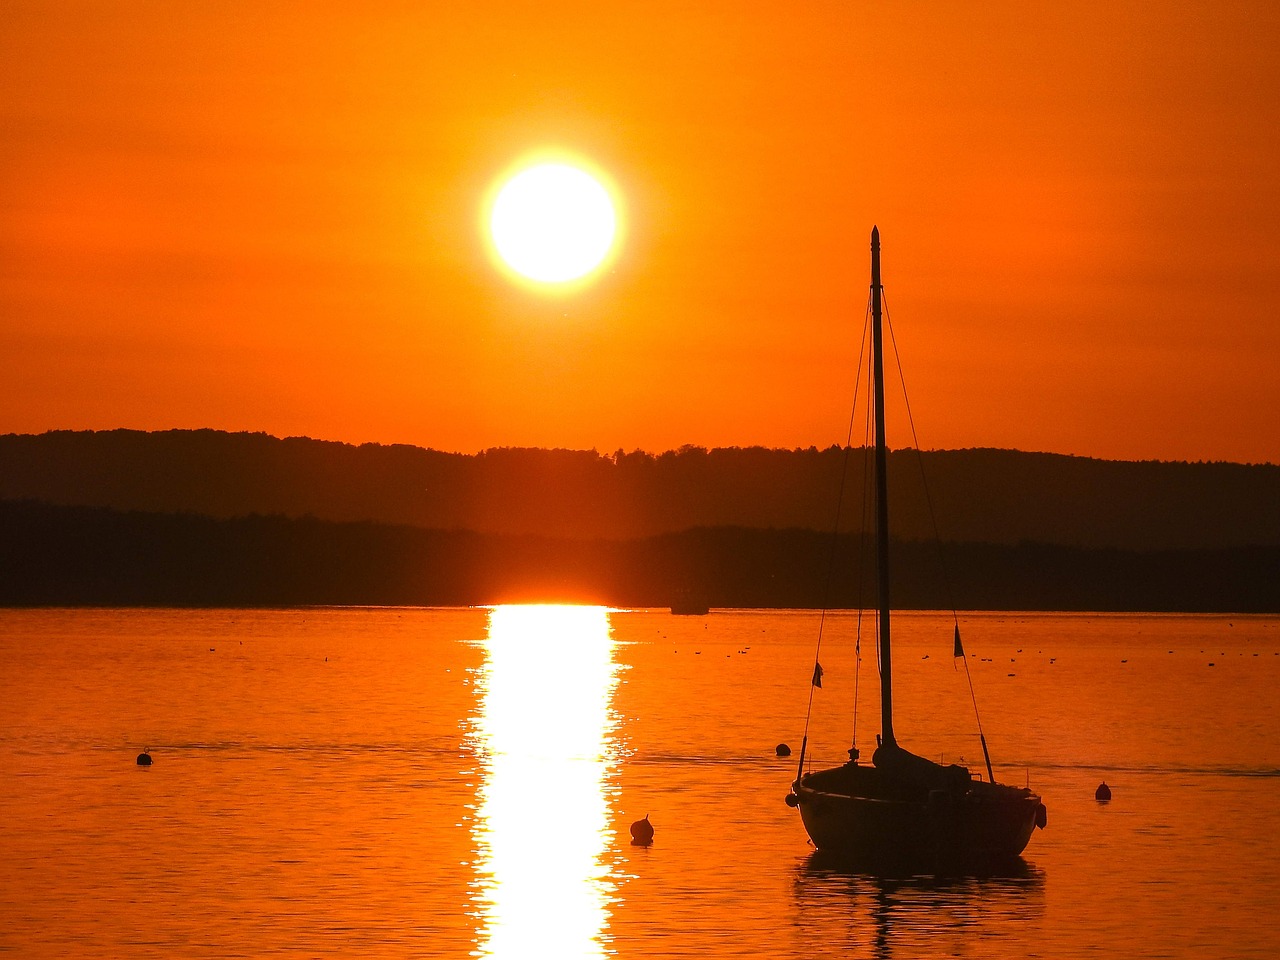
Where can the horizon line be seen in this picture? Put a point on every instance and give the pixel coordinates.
(683, 448)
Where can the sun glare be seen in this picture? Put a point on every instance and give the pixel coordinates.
(553, 222)
(544, 736)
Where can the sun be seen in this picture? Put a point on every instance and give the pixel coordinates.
(553, 222)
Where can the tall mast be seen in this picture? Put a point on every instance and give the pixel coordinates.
(882, 499)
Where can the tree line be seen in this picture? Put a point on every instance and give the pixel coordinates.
(995, 496)
(67, 556)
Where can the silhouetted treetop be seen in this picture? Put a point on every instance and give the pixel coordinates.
(978, 495)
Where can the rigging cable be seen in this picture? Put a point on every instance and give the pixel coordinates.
(835, 540)
(937, 539)
(864, 525)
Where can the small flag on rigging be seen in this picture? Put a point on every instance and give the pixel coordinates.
(817, 674)
(959, 650)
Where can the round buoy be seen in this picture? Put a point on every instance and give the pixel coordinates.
(144, 759)
(1103, 793)
(782, 750)
(642, 832)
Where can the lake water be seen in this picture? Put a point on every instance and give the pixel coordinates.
(455, 783)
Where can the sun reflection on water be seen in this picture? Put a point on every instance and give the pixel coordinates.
(545, 738)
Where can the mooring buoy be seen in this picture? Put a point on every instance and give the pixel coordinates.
(642, 832)
(782, 750)
(1103, 793)
(144, 759)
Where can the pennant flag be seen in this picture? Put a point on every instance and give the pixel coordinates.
(817, 674)
(959, 650)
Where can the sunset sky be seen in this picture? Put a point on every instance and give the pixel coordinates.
(268, 216)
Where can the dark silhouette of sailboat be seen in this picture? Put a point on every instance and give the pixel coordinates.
(688, 603)
(689, 608)
(903, 809)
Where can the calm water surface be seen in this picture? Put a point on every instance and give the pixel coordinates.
(455, 783)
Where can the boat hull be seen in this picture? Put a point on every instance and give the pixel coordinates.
(854, 812)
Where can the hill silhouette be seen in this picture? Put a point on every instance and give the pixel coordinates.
(978, 496)
(67, 556)
(202, 517)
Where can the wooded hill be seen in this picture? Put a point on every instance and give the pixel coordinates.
(978, 496)
(60, 556)
(209, 518)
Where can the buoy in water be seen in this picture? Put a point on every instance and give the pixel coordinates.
(144, 759)
(1103, 793)
(642, 832)
(782, 750)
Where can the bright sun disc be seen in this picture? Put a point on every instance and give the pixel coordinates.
(553, 223)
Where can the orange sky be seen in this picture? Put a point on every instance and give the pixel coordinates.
(235, 216)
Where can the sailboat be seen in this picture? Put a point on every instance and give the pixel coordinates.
(903, 808)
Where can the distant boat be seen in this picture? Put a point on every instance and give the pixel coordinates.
(687, 604)
(904, 809)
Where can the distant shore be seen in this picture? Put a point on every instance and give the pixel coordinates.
(975, 496)
(88, 556)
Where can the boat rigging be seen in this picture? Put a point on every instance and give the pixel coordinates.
(904, 809)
